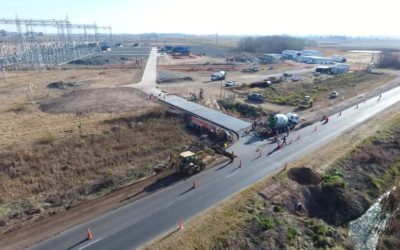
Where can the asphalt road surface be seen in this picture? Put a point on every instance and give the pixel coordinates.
(138, 222)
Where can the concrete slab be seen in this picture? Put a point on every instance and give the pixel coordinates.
(221, 119)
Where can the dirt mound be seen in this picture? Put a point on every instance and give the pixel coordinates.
(102, 100)
(63, 85)
(304, 176)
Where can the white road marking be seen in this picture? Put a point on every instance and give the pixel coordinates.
(89, 244)
(230, 175)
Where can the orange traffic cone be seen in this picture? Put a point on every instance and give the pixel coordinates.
(194, 184)
(180, 224)
(89, 234)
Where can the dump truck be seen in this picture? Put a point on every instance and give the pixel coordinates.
(187, 162)
(220, 75)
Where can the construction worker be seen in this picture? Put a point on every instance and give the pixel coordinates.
(284, 141)
(326, 119)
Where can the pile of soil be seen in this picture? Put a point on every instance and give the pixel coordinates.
(63, 85)
(304, 176)
(101, 100)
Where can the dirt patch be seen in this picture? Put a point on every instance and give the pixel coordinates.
(64, 85)
(102, 100)
(304, 176)
(164, 77)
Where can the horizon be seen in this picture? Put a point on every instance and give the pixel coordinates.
(257, 18)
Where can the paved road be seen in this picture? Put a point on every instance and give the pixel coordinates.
(138, 222)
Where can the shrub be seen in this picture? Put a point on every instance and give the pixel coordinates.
(47, 139)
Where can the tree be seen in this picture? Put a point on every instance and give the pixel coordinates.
(388, 60)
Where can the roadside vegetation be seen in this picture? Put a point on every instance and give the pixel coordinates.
(242, 109)
(52, 174)
(303, 208)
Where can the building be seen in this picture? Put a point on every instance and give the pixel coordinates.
(290, 54)
(311, 53)
(336, 69)
(315, 60)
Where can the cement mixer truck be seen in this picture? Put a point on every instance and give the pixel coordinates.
(279, 123)
(218, 76)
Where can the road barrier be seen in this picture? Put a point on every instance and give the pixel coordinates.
(89, 234)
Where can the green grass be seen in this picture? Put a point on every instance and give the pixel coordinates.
(240, 108)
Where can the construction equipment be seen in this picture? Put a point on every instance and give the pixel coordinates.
(187, 163)
(218, 76)
(306, 102)
(281, 122)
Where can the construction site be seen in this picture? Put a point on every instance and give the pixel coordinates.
(85, 129)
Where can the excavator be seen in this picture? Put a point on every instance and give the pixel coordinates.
(187, 163)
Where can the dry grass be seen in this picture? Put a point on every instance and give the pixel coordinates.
(58, 172)
(220, 227)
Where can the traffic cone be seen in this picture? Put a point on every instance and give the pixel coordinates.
(194, 184)
(89, 234)
(180, 224)
(285, 167)
(298, 137)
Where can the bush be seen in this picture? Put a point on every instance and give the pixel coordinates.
(278, 209)
(333, 181)
(241, 108)
(47, 139)
(292, 233)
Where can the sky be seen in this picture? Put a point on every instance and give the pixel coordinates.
(225, 17)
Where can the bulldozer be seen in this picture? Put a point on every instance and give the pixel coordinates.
(187, 163)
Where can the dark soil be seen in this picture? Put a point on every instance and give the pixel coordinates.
(63, 85)
(304, 176)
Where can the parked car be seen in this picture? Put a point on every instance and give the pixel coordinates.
(334, 94)
(256, 97)
(230, 83)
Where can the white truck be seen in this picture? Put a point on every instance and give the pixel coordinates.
(220, 75)
(281, 122)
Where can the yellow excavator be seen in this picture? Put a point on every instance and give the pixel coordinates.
(187, 163)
